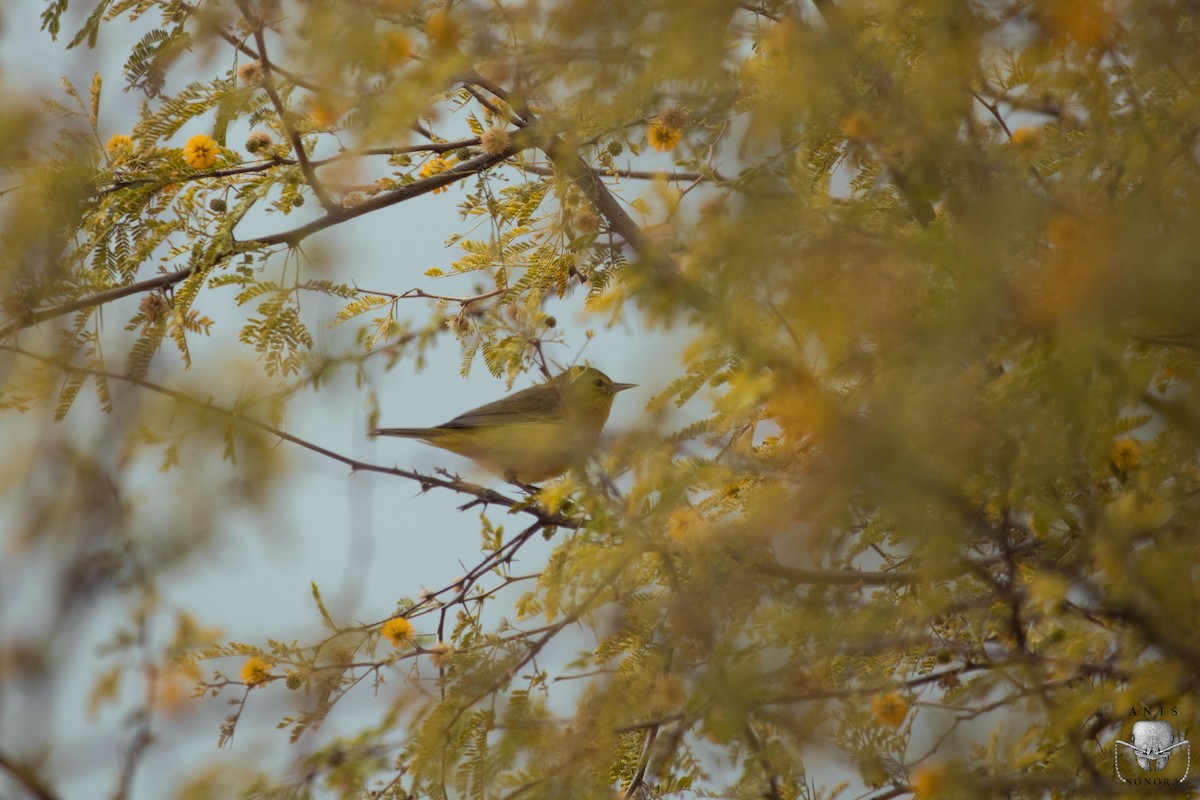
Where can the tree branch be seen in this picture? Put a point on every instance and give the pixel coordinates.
(481, 493)
(836, 577)
(290, 238)
(390, 198)
(26, 778)
(268, 84)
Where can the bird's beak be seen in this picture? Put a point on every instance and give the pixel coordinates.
(620, 387)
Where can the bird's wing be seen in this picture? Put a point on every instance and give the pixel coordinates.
(540, 403)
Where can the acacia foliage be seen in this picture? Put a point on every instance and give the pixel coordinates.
(936, 262)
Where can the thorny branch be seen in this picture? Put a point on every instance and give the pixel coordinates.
(481, 494)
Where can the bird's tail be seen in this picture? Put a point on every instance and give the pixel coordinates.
(408, 433)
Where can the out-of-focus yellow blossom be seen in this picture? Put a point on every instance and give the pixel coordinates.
(889, 709)
(397, 48)
(442, 29)
(1125, 454)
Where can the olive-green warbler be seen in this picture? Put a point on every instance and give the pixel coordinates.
(531, 435)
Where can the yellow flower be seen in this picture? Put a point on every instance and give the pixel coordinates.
(396, 48)
(1026, 137)
(201, 151)
(435, 165)
(928, 781)
(889, 709)
(856, 127)
(686, 526)
(1072, 274)
(661, 137)
(1125, 454)
(398, 630)
(324, 111)
(1086, 23)
(256, 671)
(119, 147)
(442, 29)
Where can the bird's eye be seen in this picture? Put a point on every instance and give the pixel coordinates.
(600, 383)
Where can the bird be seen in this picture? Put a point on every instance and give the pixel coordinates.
(534, 434)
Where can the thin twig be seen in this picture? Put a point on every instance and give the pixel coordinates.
(26, 778)
(636, 174)
(268, 84)
(482, 493)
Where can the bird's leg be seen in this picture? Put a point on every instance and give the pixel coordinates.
(527, 488)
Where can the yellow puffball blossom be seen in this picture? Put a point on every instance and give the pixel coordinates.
(929, 780)
(119, 146)
(442, 29)
(666, 130)
(435, 165)
(1086, 23)
(201, 151)
(256, 670)
(1125, 454)
(398, 630)
(1026, 137)
(856, 127)
(662, 138)
(324, 111)
(396, 48)
(889, 709)
(686, 526)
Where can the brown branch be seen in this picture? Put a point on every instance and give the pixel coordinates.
(583, 176)
(536, 647)
(390, 198)
(760, 11)
(26, 778)
(636, 174)
(100, 298)
(290, 238)
(464, 301)
(643, 763)
(243, 48)
(836, 694)
(481, 493)
(510, 117)
(848, 577)
(263, 166)
(518, 105)
(268, 84)
(428, 147)
(994, 109)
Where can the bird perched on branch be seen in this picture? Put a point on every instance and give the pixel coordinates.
(531, 435)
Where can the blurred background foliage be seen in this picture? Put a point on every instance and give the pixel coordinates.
(930, 530)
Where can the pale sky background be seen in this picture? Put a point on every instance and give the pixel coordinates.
(365, 539)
